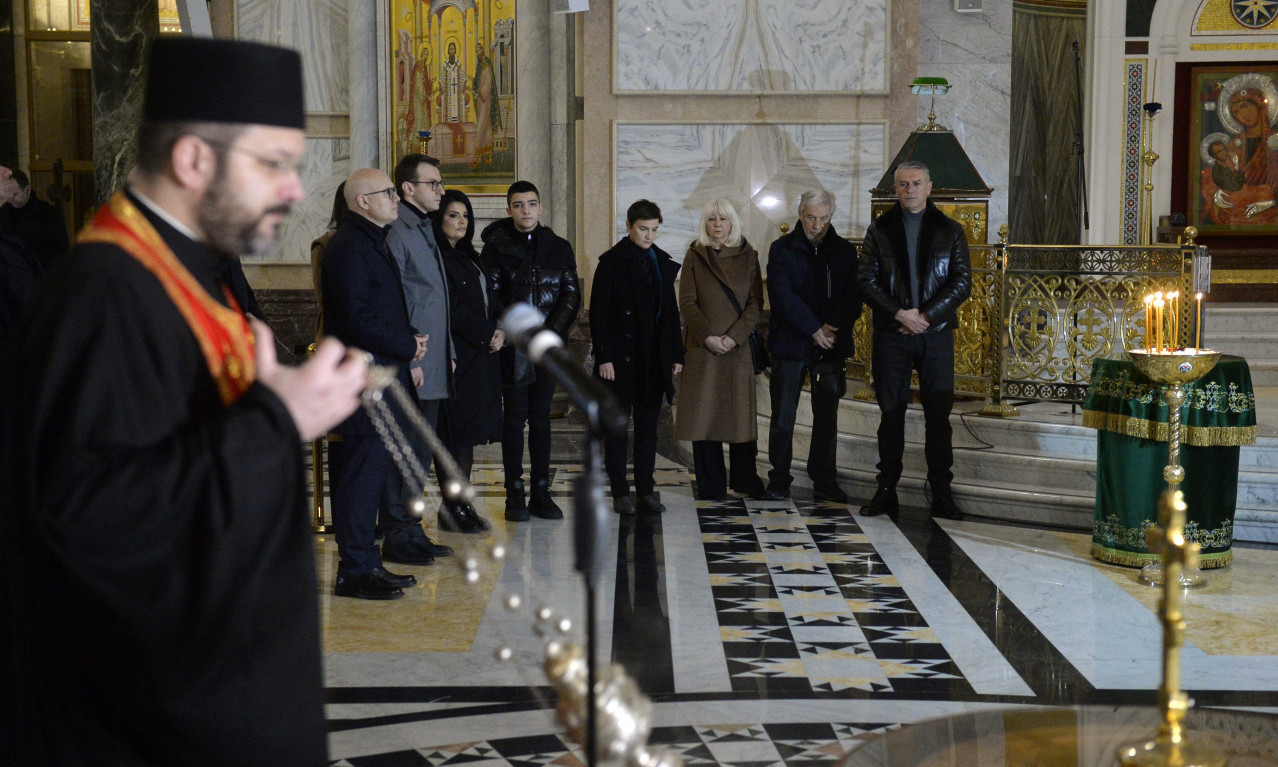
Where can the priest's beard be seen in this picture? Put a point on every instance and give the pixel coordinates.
(230, 228)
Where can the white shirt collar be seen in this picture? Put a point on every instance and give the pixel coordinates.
(168, 217)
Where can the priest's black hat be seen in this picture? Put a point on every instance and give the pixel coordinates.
(200, 79)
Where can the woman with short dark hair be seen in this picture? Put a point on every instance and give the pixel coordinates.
(634, 326)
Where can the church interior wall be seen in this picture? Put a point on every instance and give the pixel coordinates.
(1126, 71)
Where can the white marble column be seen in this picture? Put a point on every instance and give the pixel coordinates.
(532, 83)
(367, 81)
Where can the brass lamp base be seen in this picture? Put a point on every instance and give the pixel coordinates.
(1163, 753)
(1152, 575)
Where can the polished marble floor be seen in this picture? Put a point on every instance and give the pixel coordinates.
(766, 633)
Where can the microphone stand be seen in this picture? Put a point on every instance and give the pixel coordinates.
(589, 530)
(1078, 144)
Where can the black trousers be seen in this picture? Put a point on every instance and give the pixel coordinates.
(932, 355)
(358, 467)
(829, 384)
(398, 524)
(527, 405)
(712, 480)
(644, 411)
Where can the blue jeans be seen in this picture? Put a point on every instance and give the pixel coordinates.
(829, 384)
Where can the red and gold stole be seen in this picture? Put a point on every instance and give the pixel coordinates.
(223, 333)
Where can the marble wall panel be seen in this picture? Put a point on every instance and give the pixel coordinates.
(317, 28)
(761, 169)
(327, 164)
(974, 52)
(750, 45)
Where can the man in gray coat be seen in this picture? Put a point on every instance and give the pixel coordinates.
(411, 241)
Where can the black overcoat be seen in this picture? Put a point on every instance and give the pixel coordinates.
(473, 415)
(622, 327)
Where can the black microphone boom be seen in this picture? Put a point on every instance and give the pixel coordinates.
(522, 324)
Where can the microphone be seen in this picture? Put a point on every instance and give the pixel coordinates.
(524, 328)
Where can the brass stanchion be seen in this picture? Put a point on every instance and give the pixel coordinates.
(317, 486)
(1173, 370)
(1172, 746)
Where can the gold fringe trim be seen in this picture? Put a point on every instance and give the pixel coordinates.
(1136, 559)
(1199, 436)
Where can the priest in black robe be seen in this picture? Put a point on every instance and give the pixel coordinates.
(159, 575)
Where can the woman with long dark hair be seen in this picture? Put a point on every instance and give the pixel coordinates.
(473, 415)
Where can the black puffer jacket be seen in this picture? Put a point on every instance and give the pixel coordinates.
(542, 272)
(946, 269)
(544, 275)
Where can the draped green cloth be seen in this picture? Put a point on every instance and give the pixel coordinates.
(1127, 409)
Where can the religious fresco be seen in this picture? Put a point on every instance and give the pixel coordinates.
(453, 88)
(1234, 150)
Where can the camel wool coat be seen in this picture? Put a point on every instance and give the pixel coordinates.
(716, 394)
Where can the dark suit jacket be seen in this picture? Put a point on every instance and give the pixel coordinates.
(364, 303)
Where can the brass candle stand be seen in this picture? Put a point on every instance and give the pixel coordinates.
(1172, 746)
(1174, 369)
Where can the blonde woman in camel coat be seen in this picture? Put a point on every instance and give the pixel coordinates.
(717, 393)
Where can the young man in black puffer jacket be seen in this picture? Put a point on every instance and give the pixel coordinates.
(529, 263)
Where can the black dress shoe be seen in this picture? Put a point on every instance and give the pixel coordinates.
(754, 491)
(776, 493)
(944, 507)
(436, 550)
(623, 505)
(883, 502)
(650, 504)
(407, 553)
(832, 493)
(459, 518)
(541, 505)
(366, 586)
(516, 508)
(398, 581)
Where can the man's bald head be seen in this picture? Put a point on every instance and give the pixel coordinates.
(371, 194)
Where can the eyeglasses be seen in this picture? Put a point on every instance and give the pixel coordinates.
(434, 184)
(276, 165)
(388, 191)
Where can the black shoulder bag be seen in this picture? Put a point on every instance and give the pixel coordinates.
(758, 349)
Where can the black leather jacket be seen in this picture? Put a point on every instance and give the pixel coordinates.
(544, 275)
(945, 274)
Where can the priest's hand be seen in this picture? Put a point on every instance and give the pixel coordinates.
(421, 340)
(319, 393)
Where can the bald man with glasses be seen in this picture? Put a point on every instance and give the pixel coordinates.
(364, 307)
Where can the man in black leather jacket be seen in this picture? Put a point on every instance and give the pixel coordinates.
(914, 274)
(528, 263)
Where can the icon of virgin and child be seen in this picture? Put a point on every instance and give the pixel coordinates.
(1239, 176)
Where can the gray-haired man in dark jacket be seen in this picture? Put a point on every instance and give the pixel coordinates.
(812, 287)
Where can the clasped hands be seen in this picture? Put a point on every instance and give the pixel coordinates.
(720, 344)
(913, 322)
(825, 336)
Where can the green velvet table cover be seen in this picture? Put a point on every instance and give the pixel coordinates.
(1128, 411)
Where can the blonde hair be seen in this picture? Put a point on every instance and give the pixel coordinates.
(725, 209)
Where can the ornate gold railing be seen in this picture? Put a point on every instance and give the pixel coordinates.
(1040, 314)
